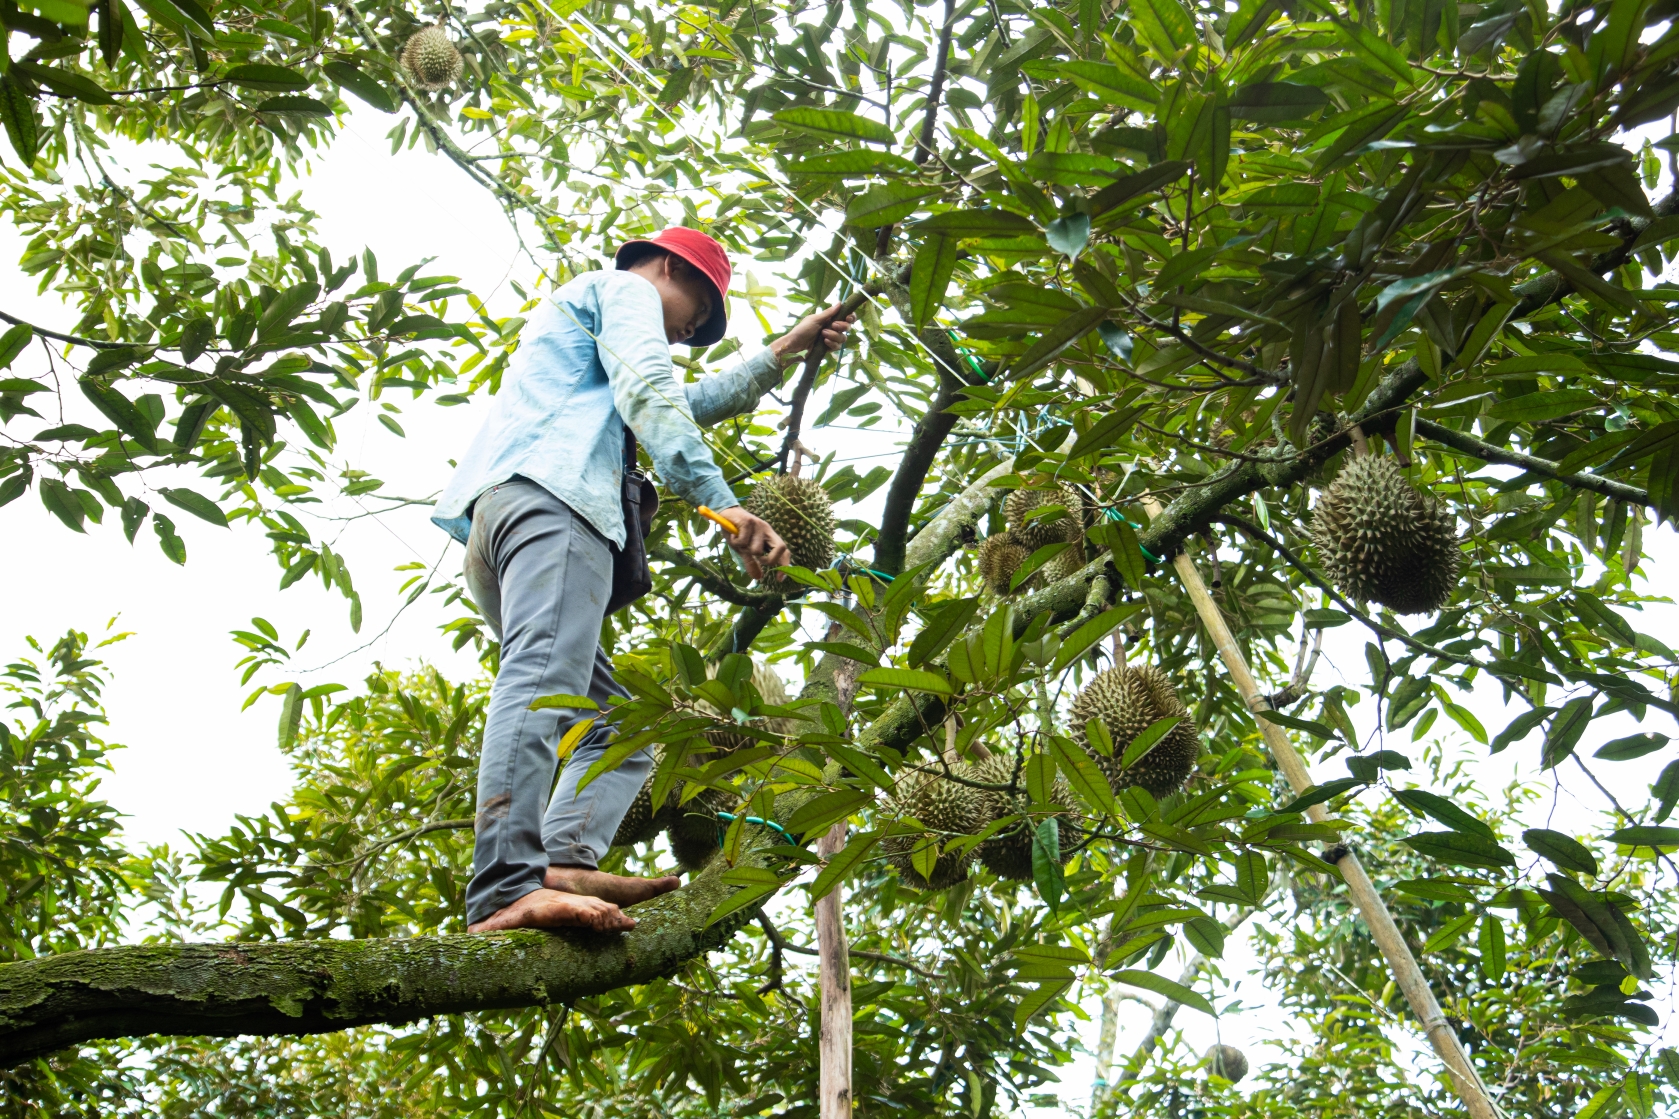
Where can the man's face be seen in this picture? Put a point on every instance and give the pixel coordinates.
(686, 295)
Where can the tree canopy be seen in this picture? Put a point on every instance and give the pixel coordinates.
(1161, 270)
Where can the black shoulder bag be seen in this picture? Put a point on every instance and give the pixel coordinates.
(631, 578)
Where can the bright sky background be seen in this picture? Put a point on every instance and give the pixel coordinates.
(193, 761)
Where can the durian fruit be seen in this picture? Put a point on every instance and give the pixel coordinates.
(1227, 1061)
(800, 510)
(695, 831)
(1000, 556)
(1037, 532)
(1128, 699)
(945, 807)
(1008, 854)
(1381, 540)
(431, 59)
(1066, 563)
(773, 692)
(641, 823)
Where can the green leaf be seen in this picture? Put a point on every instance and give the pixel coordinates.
(977, 223)
(562, 700)
(1276, 101)
(67, 83)
(1160, 985)
(941, 628)
(120, 411)
(826, 810)
(11, 345)
(1147, 739)
(834, 124)
(1184, 266)
(1536, 407)
(1104, 432)
(172, 545)
(842, 863)
(1089, 633)
(862, 763)
(1053, 341)
(1443, 811)
(1046, 863)
(1127, 187)
(291, 716)
(845, 649)
(1069, 235)
(195, 503)
(363, 85)
(914, 679)
(1565, 851)
(885, 204)
(1449, 933)
(1632, 746)
(1083, 774)
(929, 277)
(1165, 25)
(17, 111)
(1460, 849)
(740, 899)
(1038, 998)
(1565, 731)
(303, 106)
(1109, 83)
(853, 164)
(1646, 835)
(1520, 727)
(266, 77)
(1306, 726)
(1319, 794)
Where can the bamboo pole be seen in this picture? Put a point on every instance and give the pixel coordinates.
(1409, 977)
(834, 1036)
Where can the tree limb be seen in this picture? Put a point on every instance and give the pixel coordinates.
(1544, 467)
(813, 365)
(317, 986)
(712, 580)
(74, 340)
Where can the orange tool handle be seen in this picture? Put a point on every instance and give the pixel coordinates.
(720, 521)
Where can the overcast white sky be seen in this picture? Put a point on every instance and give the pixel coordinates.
(193, 761)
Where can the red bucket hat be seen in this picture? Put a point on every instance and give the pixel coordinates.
(705, 254)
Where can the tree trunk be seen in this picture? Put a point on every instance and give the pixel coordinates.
(834, 1038)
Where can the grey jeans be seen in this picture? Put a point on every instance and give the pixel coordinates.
(541, 576)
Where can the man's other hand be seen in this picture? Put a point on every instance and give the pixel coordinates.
(759, 545)
(825, 325)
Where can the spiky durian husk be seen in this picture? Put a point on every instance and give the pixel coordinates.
(641, 823)
(1382, 540)
(431, 59)
(1034, 534)
(1226, 1061)
(999, 557)
(694, 829)
(945, 807)
(1008, 854)
(1127, 699)
(1066, 563)
(800, 510)
(773, 692)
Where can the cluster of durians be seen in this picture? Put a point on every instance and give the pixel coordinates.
(1036, 518)
(1126, 699)
(1382, 540)
(694, 829)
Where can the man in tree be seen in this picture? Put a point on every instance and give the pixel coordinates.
(537, 501)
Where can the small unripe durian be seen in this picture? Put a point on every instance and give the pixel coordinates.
(945, 807)
(1383, 541)
(1127, 700)
(801, 512)
(431, 59)
(1226, 1061)
(1035, 533)
(1000, 556)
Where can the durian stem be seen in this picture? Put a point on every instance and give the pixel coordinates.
(1465, 1081)
(834, 1038)
(1361, 445)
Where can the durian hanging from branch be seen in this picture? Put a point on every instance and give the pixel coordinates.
(1382, 540)
(1036, 519)
(801, 512)
(431, 59)
(1128, 700)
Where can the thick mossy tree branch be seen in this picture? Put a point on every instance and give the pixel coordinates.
(317, 986)
(1544, 467)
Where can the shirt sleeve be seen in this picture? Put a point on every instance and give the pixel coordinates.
(734, 391)
(636, 356)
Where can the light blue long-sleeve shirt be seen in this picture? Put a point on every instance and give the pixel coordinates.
(591, 358)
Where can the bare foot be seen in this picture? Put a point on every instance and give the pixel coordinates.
(552, 909)
(618, 888)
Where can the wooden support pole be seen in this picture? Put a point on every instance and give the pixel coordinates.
(1409, 977)
(834, 1037)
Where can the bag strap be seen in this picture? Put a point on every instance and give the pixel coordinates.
(629, 450)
